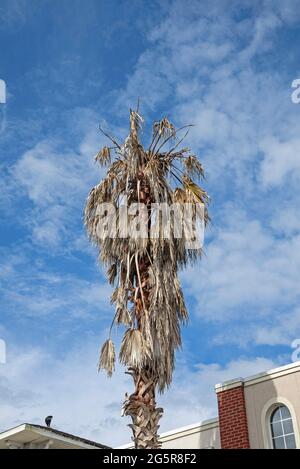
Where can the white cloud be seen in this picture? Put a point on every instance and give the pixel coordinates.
(286, 220)
(281, 161)
(247, 274)
(50, 175)
(56, 181)
(283, 331)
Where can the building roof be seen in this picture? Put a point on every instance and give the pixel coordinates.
(28, 433)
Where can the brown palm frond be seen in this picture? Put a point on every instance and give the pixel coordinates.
(164, 128)
(135, 124)
(114, 295)
(199, 194)
(180, 196)
(103, 156)
(193, 167)
(163, 131)
(123, 317)
(134, 349)
(107, 357)
(112, 273)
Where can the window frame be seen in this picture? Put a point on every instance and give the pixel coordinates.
(280, 421)
(268, 409)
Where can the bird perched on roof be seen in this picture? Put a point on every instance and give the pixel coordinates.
(48, 420)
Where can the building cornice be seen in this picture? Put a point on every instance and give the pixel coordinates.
(258, 378)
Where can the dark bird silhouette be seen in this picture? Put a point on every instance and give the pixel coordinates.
(48, 420)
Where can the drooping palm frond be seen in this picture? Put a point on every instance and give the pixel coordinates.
(103, 156)
(193, 167)
(134, 349)
(199, 194)
(123, 316)
(107, 357)
(112, 273)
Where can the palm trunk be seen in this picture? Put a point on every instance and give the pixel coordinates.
(141, 407)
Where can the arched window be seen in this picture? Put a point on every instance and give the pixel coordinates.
(282, 431)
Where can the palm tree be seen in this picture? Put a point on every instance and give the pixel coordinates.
(144, 269)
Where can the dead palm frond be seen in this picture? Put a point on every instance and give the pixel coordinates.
(193, 167)
(134, 349)
(107, 357)
(199, 194)
(103, 156)
(164, 128)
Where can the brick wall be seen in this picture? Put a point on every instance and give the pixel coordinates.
(233, 418)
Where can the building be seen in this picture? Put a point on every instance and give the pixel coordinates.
(258, 412)
(30, 436)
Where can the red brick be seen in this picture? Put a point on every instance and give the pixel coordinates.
(233, 419)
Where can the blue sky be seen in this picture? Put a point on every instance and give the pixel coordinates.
(226, 67)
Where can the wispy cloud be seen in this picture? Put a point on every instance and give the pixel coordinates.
(31, 289)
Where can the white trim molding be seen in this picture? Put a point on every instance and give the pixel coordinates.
(233, 383)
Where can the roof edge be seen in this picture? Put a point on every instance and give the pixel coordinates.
(259, 377)
(49, 431)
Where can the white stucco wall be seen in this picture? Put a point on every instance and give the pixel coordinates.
(262, 393)
(203, 435)
(197, 436)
